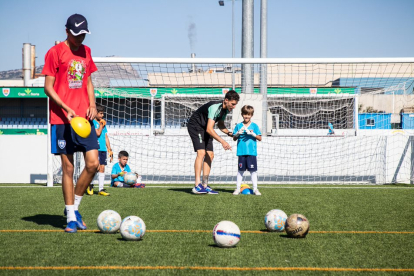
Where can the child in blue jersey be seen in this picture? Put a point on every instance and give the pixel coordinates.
(104, 146)
(120, 169)
(247, 133)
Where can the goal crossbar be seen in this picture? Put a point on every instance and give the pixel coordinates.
(254, 60)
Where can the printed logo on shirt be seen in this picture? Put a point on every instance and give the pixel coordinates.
(76, 72)
(61, 144)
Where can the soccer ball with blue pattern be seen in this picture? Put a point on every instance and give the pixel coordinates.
(109, 221)
(132, 228)
(130, 178)
(226, 234)
(275, 220)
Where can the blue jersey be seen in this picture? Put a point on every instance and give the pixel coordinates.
(102, 138)
(117, 169)
(247, 144)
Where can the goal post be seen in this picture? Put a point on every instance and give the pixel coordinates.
(328, 120)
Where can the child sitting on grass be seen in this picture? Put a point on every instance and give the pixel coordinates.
(120, 169)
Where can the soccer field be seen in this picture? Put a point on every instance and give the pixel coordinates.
(354, 230)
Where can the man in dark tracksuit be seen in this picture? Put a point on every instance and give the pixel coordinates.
(201, 130)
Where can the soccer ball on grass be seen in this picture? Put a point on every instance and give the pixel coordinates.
(109, 221)
(275, 220)
(297, 226)
(226, 234)
(132, 228)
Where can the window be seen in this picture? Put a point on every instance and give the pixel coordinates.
(370, 122)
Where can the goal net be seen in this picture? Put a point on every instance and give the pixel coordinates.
(322, 120)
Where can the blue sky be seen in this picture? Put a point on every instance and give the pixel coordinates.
(160, 28)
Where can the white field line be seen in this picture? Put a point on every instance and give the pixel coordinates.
(232, 186)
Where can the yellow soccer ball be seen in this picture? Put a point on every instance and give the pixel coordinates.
(81, 126)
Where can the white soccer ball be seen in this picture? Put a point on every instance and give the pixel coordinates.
(130, 178)
(226, 234)
(275, 220)
(109, 221)
(132, 228)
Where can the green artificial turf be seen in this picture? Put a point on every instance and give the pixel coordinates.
(328, 208)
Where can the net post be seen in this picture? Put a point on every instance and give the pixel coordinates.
(163, 113)
(356, 119)
(77, 167)
(263, 91)
(152, 116)
(412, 159)
(49, 154)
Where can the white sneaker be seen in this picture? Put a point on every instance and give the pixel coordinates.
(236, 192)
(256, 192)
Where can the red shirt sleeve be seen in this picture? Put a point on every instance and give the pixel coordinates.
(51, 63)
(92, 67)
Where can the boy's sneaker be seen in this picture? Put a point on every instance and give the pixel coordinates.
(210, 191)
(256, 192)
(80, 223)
(139, 185)
(89, 190)
(103, 192)
(236, 192)
(71, 227)
(199, 189)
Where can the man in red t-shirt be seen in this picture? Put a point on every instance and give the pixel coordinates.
(68, 68)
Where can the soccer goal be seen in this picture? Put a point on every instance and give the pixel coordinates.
(323, 120)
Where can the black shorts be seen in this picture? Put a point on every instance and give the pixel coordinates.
(247, 162)
(64, 140)
(201, 139)
(102, 157)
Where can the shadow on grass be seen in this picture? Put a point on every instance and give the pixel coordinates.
(189, 190)
(221, 190)
(183, 190)
(52, 220)
(295, 238)
(216, 246)
(99, 232)
(121, 239)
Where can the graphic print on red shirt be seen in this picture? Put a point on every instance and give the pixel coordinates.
(76, 72)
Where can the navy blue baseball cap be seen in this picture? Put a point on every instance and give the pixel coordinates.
(77, 24)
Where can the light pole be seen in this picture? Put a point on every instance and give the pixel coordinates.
(221, 3)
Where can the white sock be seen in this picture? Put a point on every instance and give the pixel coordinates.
(70, 213)
(78, 200)
(101, 179)
(254, 180)
(122, 185)
(239, 179)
